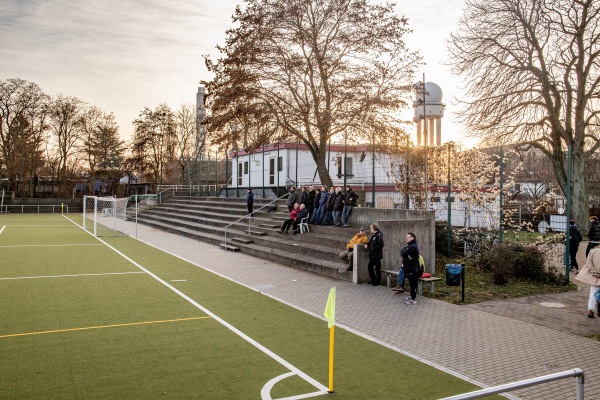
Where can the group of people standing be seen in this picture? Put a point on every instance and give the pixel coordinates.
(324, 206)
(374, 245)
(590, 273)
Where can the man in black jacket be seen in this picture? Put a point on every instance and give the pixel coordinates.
(574, 240)
(375, 247)
(349, 202)
(593, 234)
(250, 202)
(410, 263)
(338, 206)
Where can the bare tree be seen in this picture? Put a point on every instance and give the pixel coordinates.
(314, 69)
(22, 129)
(101, 145)
(187, 147)
(532, 72)
(154, 141)
(66, 116)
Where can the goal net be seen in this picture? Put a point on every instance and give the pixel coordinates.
(105, 216)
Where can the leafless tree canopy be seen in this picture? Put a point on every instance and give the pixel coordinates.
(531, 70)
(312, 70)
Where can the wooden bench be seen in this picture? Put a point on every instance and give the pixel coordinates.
(422, 281)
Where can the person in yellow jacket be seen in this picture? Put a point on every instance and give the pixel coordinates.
(359, 238)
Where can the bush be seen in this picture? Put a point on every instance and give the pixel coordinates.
(441, 239)
(529, 263)
(500, 262)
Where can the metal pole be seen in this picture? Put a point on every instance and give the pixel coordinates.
(345, 153)
(568, 215)
(226, 172)
(237, 174)
(216, 170)
(277, 168)
(208, 174)
(263, 169)
(297, 144)
(449, 223)
(501, 188)
(373, 168)
(426, 144)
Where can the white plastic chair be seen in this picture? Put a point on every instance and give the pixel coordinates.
(304, 224)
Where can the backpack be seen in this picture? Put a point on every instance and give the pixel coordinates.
(421, 268)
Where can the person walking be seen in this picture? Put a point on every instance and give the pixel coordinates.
(593, 234)
(410, 264)
(292, 198)
(375, 247)
(349, 202)
(590, 275)
(347, 255)
(250, 203)
(574, 240)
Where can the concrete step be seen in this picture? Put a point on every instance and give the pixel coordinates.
(333, 269)
(242, 240)
(291, 243)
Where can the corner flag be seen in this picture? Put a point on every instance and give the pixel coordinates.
(330, 308)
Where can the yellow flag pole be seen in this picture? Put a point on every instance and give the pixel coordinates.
(331, 358)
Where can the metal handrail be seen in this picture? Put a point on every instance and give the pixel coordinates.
(575, 372)
(250, 218)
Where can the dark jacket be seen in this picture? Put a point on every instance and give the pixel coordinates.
(575, 235)
(311, 198)
(330, 201)
(292, 198)
(317, 200)
(375, 246)
(350, 198)
(303, 198)
(410, 256)
(250, 198)
(338, 204)
(594, 232)
(303, 213)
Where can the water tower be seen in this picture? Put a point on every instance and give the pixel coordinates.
(429, 111)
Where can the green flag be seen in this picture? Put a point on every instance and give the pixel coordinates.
(330, 308)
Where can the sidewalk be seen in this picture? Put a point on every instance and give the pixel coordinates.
(488, 344)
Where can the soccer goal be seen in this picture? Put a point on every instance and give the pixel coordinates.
(105, 216)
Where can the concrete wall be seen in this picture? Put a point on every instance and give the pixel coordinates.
(394, 224)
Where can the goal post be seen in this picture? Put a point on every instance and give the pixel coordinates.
(105, 216)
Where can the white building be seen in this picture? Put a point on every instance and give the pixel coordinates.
(286, 164)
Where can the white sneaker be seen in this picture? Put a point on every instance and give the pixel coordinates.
(409, 302)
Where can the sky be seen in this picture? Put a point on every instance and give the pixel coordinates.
(124, 55)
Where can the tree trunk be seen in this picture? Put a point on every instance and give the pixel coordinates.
(321, 161)
(580, 208)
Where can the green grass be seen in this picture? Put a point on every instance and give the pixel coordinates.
(479, 285)
(183, 359)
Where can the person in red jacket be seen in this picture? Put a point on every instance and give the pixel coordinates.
(288, 222)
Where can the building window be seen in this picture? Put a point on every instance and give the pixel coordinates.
(245, 167)
(348, 164)
(240, 169)
(280, 164)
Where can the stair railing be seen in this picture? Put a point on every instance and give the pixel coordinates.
(250, 218)
(149, 200)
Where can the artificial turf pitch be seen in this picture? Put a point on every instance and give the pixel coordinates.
(82, 318)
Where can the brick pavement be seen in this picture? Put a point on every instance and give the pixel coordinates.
(484, 347)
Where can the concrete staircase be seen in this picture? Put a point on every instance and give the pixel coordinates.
(205, 219)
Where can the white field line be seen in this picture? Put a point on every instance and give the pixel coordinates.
(50, 245)
(323, 389)
(38, 226)
(345, 327)
(68, 276)
(1, 230)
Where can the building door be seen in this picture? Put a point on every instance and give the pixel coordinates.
(271, 171)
